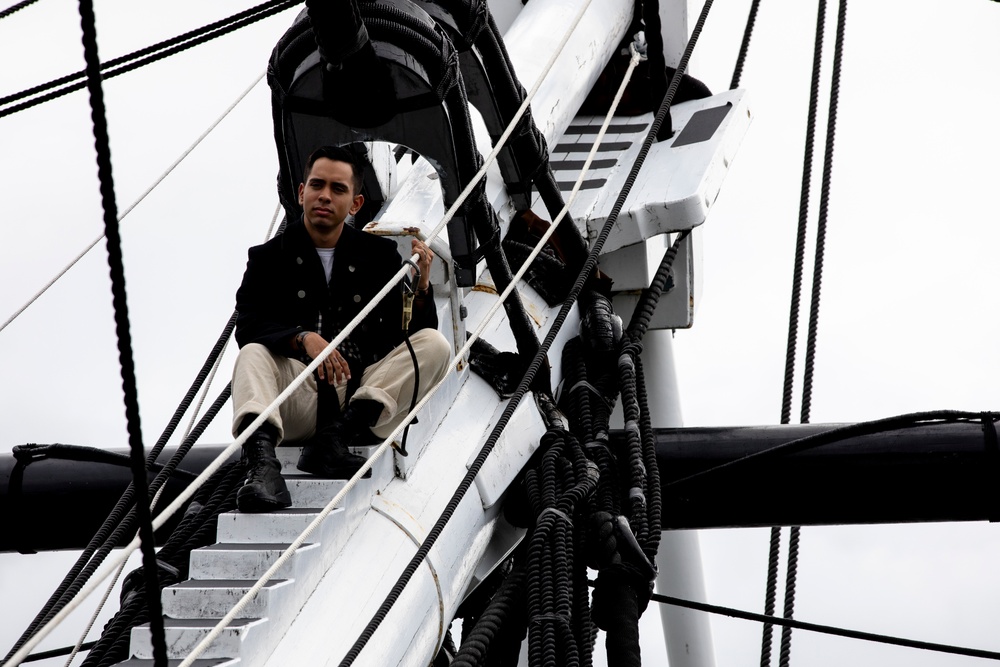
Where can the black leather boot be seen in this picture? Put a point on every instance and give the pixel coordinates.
(327, 454)
(264, 489)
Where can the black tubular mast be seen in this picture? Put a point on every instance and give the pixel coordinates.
(921, 473)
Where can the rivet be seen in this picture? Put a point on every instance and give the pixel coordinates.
(350, 268)
(302, 294)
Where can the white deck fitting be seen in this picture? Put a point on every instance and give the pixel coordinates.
(676, 186)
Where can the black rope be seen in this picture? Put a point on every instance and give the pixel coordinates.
(72, 581)
(57, 652)
(800, 242)
(135, 60)
(827, 629)
(793, 319)
(196, 529)
(504, 604)
(539, 357)
(771, 594)
(745, 45)
(15, 8)
(117, 270)
(831, 128)
(791, 576)
(824, 205)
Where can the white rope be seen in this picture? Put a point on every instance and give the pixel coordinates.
(212, 467)
(121, 566)
(128, 210)
(387, 443)
(159, 492)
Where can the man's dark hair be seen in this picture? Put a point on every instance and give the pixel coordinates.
(340, 154)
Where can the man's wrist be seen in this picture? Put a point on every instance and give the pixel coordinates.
(300, 340)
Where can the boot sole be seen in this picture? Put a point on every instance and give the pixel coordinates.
(258, 503)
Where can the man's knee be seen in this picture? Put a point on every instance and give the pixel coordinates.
(254, 354)
(435, 350)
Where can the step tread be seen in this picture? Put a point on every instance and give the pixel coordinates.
(253, 546)
(169, 622)
(226, 583)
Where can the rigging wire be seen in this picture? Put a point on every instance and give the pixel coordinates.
(135, 60)
(71, 582)
(774, 548)
(107, 535)
(824, 207)
(15, 8)
(795, 531)
(141, 197)
(56, 652)
(26, 643)
(807, 382)
(540, 356)
(88, 24)
(386, 444)
(745, 45)
(236, 444)
(52, 620)
(826, 629)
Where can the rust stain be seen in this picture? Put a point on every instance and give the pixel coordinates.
(482, 287)
(533, 313)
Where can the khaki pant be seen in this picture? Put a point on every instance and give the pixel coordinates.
(260, 375)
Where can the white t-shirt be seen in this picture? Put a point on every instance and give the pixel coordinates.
(326, 256)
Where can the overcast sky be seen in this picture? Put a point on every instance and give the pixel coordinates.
(908, 321)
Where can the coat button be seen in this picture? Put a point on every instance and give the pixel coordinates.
(357, 298)
(302, 294)
(350, 268)
(298, 260)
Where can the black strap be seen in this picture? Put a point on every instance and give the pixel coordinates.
(992, 455)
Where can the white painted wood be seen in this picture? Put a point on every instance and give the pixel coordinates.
(676, 187)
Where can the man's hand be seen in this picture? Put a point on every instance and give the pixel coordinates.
(424, 258)
(334, 368)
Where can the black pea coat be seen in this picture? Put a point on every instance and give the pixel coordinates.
(284, 291)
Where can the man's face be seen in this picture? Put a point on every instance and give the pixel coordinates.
(327, 197)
